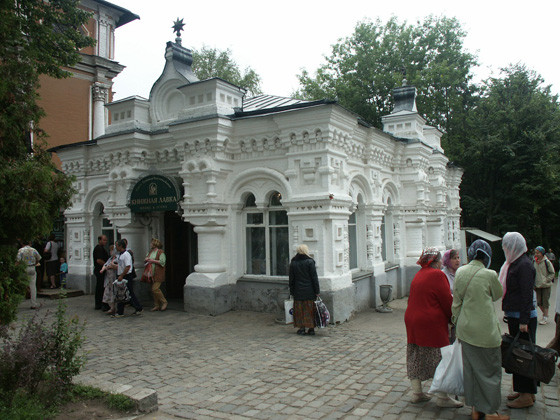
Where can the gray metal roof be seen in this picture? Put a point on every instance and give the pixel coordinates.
(261, 102)
(126, 15)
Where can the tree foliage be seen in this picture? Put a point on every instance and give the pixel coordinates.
(364, 68)
(511, 158)
(505, 133)
(37, 37)
(211, 62)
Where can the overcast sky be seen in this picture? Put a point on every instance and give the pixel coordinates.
(278, 39)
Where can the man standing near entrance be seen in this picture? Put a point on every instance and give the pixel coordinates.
(100, 256)
(126, 271)
(29, 257)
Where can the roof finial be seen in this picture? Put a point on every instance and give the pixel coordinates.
(178, 27)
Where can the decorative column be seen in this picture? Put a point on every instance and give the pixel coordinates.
(210, 240)
(209, 290)
(137, 242)
(99, 93)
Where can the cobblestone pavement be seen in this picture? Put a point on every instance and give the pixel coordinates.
(247, 365)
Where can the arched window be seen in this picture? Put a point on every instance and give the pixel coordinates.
(353, 241)
(266, 237)
(356, 235)
(387, 230)
(108, 229)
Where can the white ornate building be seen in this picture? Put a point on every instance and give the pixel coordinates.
(233, 184)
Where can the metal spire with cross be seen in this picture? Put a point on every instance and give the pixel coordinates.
(178, 27)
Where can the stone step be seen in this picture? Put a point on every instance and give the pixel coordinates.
(56, 293)
(145, 399)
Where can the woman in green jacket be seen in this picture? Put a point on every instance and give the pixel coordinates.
(477, 327)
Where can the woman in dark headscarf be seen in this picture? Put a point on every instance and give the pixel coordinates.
(478, 329)
(518, 280)
(427, 318)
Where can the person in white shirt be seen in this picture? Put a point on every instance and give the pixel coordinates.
(30, 257)
(126, 271)
(53, 264)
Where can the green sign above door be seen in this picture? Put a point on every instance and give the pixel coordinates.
(154, 193)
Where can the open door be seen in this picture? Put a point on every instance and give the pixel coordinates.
(181, 250)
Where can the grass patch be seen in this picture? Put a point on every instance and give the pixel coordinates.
(26, 407)
(116, 401)
(120, 402)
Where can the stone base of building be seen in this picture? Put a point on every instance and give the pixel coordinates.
(209, 300)
(341, 303)
(268, 295)
(262, 295)
(84, 283)
(365, 290)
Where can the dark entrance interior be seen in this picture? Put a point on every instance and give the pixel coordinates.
(181, 251)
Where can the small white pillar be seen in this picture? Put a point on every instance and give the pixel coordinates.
(136, 238)
(99, 93)
(210, 241)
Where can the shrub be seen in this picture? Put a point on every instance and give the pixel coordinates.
(24, 359)
(67, 341)
(41, 359)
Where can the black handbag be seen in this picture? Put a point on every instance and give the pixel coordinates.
(525, 358)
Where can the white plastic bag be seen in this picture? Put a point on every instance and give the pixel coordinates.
(449, 373)
(289, 311)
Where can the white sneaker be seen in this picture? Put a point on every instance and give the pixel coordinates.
(544, 320)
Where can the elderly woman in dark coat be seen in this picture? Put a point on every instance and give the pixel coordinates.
(304, 287)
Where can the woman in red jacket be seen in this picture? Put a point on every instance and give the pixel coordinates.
(427, 318)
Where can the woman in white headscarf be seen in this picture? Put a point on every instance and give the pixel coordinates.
(518, 280)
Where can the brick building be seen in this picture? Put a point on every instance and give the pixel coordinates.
(75, 106)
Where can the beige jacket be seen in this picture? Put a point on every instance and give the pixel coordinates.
(545, 273)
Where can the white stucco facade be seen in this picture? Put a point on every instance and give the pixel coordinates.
(258, 176)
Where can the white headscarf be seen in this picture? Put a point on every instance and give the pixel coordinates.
(514, 246)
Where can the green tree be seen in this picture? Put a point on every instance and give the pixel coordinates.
(211, 62)
(364, 68)
(511, 158)
(37, 37)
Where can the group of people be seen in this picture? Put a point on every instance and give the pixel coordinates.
(458, 302)
(114, 272)
(56, 267)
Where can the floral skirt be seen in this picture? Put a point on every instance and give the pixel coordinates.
(304, 314)
(108, 295)
(421, 362)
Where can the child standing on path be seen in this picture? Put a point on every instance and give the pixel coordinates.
(63, 272)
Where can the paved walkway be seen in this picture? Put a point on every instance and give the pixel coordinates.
(246, 365)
